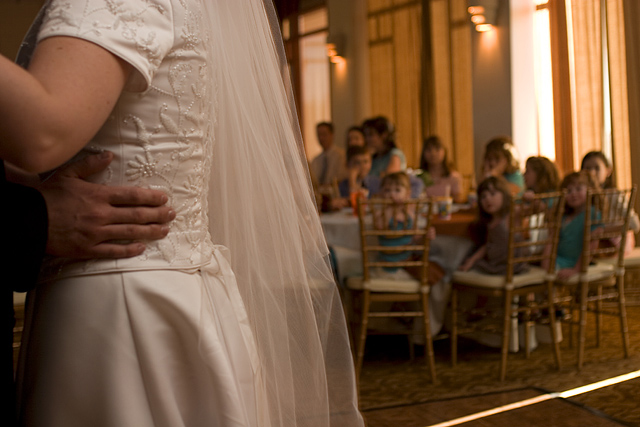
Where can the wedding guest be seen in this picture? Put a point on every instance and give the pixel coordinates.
(500, 159)
(541, 175)
(494, 201)
(328, 166)
(438, 175)
(600, 169)
(570, 240)
(597, 164)
(359, 180)
(397, 188)
(380, 139)
(355, 137)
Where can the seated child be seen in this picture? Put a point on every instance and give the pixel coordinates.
(597, 164)
(540, 176)
(359, 180)
(569, 252)
(500, 160)
(438, 175)
(397, 187)
(494, 200)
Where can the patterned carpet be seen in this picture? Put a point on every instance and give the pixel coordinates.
(390, 379)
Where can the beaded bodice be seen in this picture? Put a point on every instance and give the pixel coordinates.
(160, 128)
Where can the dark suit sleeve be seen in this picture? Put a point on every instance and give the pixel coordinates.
(23, 233)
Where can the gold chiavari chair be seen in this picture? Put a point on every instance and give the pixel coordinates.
(379, 284)
(529, 242)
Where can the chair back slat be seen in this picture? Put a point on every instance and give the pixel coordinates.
(534, 226)
(607, 216)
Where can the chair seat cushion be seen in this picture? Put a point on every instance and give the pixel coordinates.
(631, 260)
(595, 272)
(533, 276)
(399, 281)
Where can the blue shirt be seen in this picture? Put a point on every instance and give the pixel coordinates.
(396, 241)
(571, 239)
(515, 178)
(370, 182)
(379, 164)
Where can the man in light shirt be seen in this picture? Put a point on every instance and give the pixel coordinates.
(329, 166)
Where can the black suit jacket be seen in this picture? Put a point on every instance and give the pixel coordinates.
(23, 238)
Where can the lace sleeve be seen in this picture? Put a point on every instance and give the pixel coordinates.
(139, 32)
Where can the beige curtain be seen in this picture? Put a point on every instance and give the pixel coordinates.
(632, 36)
(395, 43)
(448, 96)
(588, 105)
(619, 93)
(588, 125)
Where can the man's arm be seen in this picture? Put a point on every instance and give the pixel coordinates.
(88, 220)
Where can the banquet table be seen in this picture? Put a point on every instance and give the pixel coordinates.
(448, 249)
(341, 228)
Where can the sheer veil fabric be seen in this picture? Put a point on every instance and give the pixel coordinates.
(261, 207)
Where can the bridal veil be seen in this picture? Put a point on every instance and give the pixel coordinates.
(261, 207)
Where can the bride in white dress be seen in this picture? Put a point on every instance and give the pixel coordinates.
(233, 319)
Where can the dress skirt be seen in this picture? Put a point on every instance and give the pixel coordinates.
(161, 348)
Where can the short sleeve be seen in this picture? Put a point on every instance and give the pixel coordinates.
(403, 160)
(456, 183)
(140, 32)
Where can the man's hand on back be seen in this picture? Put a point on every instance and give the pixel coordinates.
(88, 220)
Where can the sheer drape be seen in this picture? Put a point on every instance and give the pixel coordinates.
(261, 208)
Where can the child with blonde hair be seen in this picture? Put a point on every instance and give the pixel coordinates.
(397, 188)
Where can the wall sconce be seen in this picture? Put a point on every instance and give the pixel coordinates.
(483, 14)
(335, 48)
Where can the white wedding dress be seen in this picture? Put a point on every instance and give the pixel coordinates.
(173, 337)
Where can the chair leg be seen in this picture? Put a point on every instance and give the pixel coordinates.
(527, 332)
(599, 316)
(506, 331)
(454, 326)
(622, 311)
(412, 351)
(552, 323)
(572, 309)
(582, 328)
(428, 344)
(528, 323)
(363, 332)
